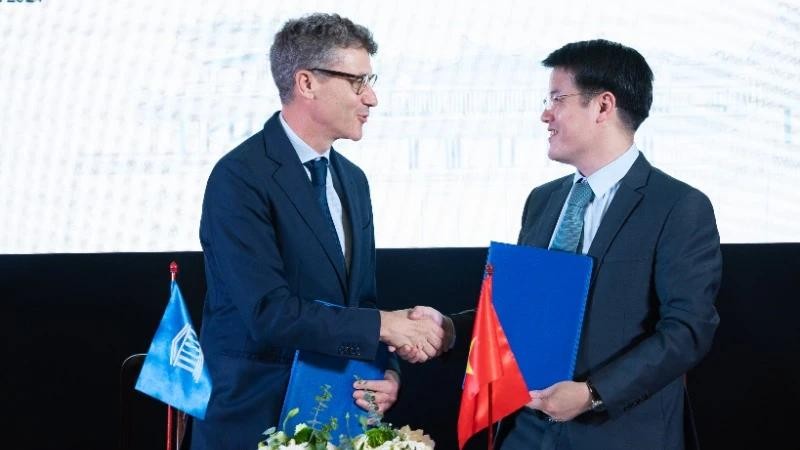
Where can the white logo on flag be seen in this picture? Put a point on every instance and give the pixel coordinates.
(185, 352)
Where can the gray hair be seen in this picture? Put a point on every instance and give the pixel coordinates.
(311, 41)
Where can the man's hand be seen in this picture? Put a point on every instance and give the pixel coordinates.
(383, 392)
(562, 401)
(423, 335)
(413, 355)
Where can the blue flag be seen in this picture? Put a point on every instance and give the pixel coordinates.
(174, 370)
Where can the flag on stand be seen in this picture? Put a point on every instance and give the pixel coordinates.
(493, 385)
(174, 370)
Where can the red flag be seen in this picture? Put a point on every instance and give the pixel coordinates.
(493, 385)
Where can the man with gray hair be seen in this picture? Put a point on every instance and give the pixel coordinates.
(287, 221)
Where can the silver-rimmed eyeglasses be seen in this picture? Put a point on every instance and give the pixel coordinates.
(552, 100)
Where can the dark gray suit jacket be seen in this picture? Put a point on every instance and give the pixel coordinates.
(650, 315)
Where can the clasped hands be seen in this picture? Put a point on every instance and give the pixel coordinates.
(417, 334)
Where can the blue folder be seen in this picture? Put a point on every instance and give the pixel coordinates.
(540, 298)
(311, 370)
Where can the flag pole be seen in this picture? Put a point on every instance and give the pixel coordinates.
(489, 273)
(173, 270)
(169, 427)
(491, 421)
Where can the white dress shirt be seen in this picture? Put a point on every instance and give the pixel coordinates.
(340, 219)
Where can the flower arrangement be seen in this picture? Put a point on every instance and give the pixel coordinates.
(392, 439)
(316, 435)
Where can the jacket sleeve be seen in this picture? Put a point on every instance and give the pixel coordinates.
(686, 278)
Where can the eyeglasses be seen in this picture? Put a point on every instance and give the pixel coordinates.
(553, 100)
(359, 82)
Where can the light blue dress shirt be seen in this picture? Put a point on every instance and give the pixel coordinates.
(604, 184)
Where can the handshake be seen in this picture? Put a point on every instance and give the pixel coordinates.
(417, 334)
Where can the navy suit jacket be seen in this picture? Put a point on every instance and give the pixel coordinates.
(650, 316)
(268, 255)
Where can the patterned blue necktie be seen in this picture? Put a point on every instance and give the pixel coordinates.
(570, 230)
(319, 170)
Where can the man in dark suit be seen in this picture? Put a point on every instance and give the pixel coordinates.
(650, 315)
(287, 221)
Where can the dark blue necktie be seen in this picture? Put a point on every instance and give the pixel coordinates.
(570, 231)
(319, 170)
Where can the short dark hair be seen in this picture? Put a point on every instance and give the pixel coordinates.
(311, 41)
(601, 65)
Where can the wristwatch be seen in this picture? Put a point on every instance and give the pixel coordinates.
(597, 402)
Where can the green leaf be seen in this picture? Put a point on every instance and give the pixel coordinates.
(303, 435)
(379, 435)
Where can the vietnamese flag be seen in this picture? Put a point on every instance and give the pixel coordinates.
(493, 384)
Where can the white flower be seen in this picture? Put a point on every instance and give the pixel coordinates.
(420, 440)
(406, 439)
(399, 443)
(274, 439)
(291, 445)
(360, 440)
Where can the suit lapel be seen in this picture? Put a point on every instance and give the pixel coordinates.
(293, 180)
(623, 204)
(350, 197)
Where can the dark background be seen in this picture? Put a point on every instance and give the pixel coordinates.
(68, 322)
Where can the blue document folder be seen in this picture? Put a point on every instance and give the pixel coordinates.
(540, 298)
(312, 370)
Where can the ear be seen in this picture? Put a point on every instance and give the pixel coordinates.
(607, 103)
(304, 84)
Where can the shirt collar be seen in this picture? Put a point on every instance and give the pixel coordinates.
(304, 151)
(609, 175)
